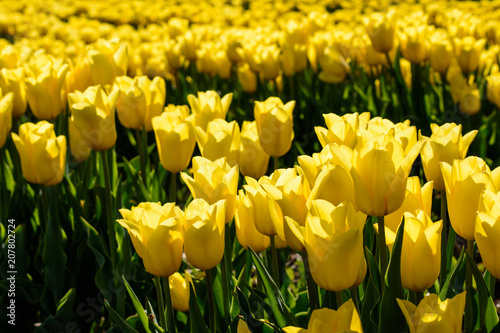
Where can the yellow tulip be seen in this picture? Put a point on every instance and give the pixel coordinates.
(334, 67)
(221, 139)
(493, 89)
(79, 76)
(9, 57)
(380, 28)
(156, 232)
(175, 139)
(294, 59)
(444, 145)
(334, 242)
(344, 319)
(80, 147)
(247, 78)
(45, 93)
(209, 106)
(341, 129)
(487, 231)
(253, 159)
(275, 125)
(421, 252)
(246, 232)
(6, 106)
(413, 43)
(379, 171)
(269, 65)
(468, 51)
(267, 213)
(93, 114)
(434, 315)
(179, 289)
(140, 100)
(174, 55)
(12, 80)
(43, 155)
(441, 51)
(107, 60)
(204, 233)
(214, 181)
(464, 181)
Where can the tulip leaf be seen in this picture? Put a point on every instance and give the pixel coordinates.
(65, 305)
(391, 317)
(198, 324)
(122, 324)
(137, 306)
(488, 317)
(153, 321)
(444, 288)
(281, 312)
(371, 296)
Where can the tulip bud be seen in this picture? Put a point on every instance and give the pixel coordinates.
(493, 89)
(107, 60)
(204, 233)
(179, 289)
(6, 106)
(12, 80)
(43, 155)
(269, 65)
(487, 231)
(247, 233)
(253, 160)
(380, 28)
(156, 232)
(222, 139)
(468, 51)
(334, 67)
(441, 51)
(413, 43)
(247, 78)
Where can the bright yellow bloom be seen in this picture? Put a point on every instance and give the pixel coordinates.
(294, 59)
(253, 159)
(179, 289)
(157, 234)
(334, 67)
(140, 100)
(334, 242)
(12, 80)
(433, 315)
(107, 60)
(413, 43)
(421, 251)
(468, 51)
(209, 106)
(444, 145)
(487, 231)
(380, 28)
(269, 65)
(221, 139)
(204, 233)
(6, 106)
(247, 233)
(247, 78)
(275, 125)
(175, 139)
(93, 114)
(441, 51)
(214, 181)
(341, 129)
(344, 319)
(45, 92)
(464, 181)
(493, 89)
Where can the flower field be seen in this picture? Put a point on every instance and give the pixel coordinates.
(249, 166)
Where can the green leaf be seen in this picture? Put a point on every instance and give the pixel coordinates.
(198, 324)
(281, 312)
(154, 321)
(443, 294)
(122, 324)
(65, 305)
(137, 306)
(371, 296)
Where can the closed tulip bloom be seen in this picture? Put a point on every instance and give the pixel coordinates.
(174, 54)
(179, 289)
(247, 78)
(9, 57)
(221, 139)
(43, 155)
(333, 184)
(487, 231)
(269, 65)
(413, 43)
(433, 315)
(209, 106)
(156, 232)
(334, 67)
(341, 129)
(468, 51)
(45, 92)
(294, 59)
(444, 145)
(275, 125)
(421, 252)
(267, 213)
(441, 51)
(253, 159)
(246, 232)
(464, 181)
(107, 60)
(380, 28)
(380, 170)
(12, 80)
(214, 181)
(204, 233)
(493, 89)
(6, 106)
(175, 140)
(334, 242)
(93, 114)
(141, 99)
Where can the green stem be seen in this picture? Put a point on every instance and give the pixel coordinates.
(142, 153)
(225, 264)
(468, 285)
(338, 299)
(444, 240)
(274, 260)
(276, 160)
(312, 287)
(173, 187)
(169, 308)
(382, 250)
(45, 205)
(211, 302)
(355, 297)
(415, 297)
(159, 299)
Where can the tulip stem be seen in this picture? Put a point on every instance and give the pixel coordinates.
(211, 302)
(224, 273)
(276, 160)
(169, 309)
(382, 251)
(444, 241)
(159, 299)
(468, 283)
(45, 205)
(173, 187)
(142, 152)
(274, 259)
(415, 297)
(312, 288)
(338, 299)
(355, 297)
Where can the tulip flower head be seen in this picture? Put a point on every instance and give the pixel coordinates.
(209, 106)
(493, 89)
(221, 139)
(12, 80)
(247, 233)
(380, 28)
(179, 288)
(6, 106)
(253, 159)
(487, 231)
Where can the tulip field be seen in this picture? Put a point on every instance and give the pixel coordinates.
(249, 166)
